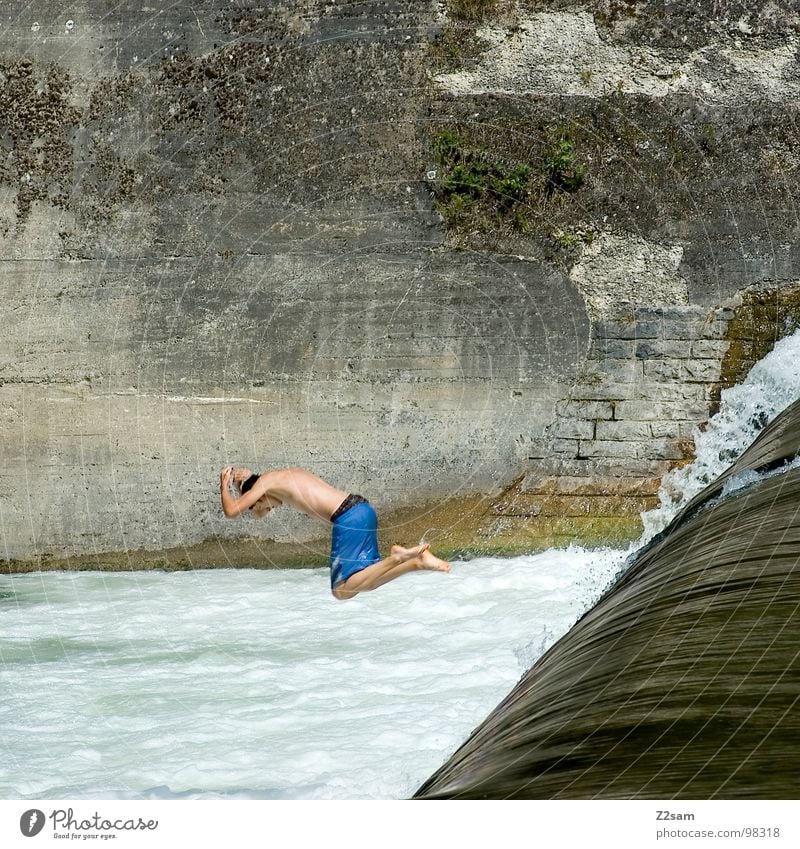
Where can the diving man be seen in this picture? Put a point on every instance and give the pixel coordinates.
(356, 564)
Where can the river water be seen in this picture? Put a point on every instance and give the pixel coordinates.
(257, 684)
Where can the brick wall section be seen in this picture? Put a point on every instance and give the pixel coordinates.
(650, 379)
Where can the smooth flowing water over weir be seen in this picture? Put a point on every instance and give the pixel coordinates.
(257, 684)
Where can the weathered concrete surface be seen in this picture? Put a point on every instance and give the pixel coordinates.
(680, 229)
(217, 247)
(219, 242)
(123, 425)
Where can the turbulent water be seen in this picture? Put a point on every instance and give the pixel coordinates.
(769, 388)
(257, 684)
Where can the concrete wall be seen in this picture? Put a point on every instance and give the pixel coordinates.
(221, 241)
(680, 120)
(217, 247)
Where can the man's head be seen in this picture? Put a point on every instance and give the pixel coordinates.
(246, 484)
(245, 480)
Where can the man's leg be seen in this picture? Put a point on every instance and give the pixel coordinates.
(400, 562)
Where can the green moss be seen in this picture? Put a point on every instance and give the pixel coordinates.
(572, 238)
(763, 317)
(534, 535)
(562, 170)
(482, 190)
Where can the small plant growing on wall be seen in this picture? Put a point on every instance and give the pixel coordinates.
(513, 187)
(479, 190)
(470, 180)
(562, 170)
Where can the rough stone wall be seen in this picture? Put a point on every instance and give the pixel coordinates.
(224, 236)
(216, 245)
(649, 381)
(653, 376)
(678, 225)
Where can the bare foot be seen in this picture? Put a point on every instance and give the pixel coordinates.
(426, 559)
(433, 563)
(417, 549)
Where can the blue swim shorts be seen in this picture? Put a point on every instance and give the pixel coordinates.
(354, 542)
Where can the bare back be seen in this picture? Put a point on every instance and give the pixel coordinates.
(304, 491)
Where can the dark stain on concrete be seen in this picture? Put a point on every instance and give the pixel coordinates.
(37, 123)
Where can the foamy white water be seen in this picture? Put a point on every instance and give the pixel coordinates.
(258, 683)
(770, 387)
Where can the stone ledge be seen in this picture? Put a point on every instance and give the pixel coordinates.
(453, 527)
(514, 536)
(534, 505)
(597, 485)
(498, 524)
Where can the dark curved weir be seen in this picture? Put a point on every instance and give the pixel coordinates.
(683, 681)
